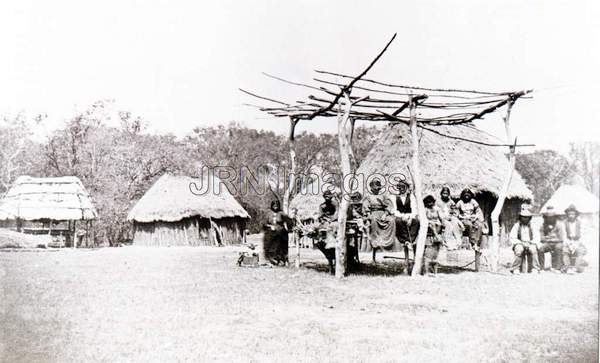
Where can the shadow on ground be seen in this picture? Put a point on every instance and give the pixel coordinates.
(385, 268)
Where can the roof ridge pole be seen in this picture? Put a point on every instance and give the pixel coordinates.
(418, 187)
(494, 246)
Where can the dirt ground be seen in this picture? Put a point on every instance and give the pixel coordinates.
(195, 304)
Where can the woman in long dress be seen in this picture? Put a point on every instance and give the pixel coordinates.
(380, 213)
(275, 239)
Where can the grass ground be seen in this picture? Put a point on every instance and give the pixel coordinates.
(195, 304)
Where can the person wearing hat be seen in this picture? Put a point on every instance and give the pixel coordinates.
(379, 210)
(525, 240)
(573, 249)
(551, 236)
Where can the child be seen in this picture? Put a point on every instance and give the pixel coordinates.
(453, 229)
(433, 241)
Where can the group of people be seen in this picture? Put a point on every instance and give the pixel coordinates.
(561, 239)
(386, 222)
(448, 221)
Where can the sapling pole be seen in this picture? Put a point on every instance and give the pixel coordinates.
(418, 187)
(494, 246)
(291, 183)
(345, 151)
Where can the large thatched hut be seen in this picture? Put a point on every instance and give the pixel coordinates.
(178, 211)
(55, 206)
(445, 161)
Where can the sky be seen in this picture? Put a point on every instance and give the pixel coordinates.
(179, 64)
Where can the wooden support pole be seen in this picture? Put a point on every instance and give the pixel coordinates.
(494, 247)
(350, 137)
(418, 187)
(291, 183)
(291, 177)
(345, 151)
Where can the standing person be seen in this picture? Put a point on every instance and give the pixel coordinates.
(471, 216)
(573, 249)
(275, 239)
(406, 223)
(552, 236)
(448, 213)
(379, 209)
(433, 242)
(525, 240)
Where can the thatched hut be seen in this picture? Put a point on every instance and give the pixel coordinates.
(55, 206)
(170, 214)
(587, 203)
(448, 160)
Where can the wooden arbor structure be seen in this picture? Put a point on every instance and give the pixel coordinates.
(362, 99)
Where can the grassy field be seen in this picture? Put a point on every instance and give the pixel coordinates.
(195, 304)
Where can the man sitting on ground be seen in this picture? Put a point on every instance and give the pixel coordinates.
(524, 239)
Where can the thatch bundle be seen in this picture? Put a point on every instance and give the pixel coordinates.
(12, 239)
(58, 199)
(183, 210)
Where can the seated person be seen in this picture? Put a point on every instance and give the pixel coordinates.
(524, 239)
(551, 236)
(471, 216)
(379, 210)
(573, 249)
(328, 215)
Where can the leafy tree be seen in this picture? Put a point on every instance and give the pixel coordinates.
(17, 150)
(586, 158)
(544, 171)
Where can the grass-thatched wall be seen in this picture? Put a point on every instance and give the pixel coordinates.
(169, 214)
(193, 231)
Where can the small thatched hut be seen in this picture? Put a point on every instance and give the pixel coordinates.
(51, 206)
(170, 214)
(587, 203)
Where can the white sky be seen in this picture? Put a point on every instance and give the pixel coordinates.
(179, 63)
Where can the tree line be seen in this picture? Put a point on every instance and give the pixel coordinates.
(117, 164)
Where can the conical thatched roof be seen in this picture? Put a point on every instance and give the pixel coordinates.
(63, 198)
(445, 161)
(566, 195)
(170, 199)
